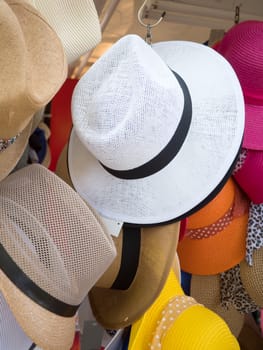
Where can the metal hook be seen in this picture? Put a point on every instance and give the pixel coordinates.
(237, 14)
(148, 37)
(149, 26)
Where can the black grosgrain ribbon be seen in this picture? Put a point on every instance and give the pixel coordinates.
(170, 151)
(31, 290)
(131, 246)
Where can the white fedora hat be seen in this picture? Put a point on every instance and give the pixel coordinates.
(76, 22)
(154, 138)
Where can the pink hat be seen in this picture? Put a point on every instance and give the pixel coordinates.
(250, 173)
(242, 46)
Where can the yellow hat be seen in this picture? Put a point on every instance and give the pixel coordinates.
(189, 325)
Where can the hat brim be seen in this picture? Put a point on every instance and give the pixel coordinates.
(47, 330)
(114, 308)
(144, 327)
(11, 155)
(119, 308)
(206, 291)
(253, 127)
(207, 154)
(217, 253)
(251, 277)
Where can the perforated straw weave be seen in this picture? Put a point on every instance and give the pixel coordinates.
(75, 21)
(51, 234)
(53, 238)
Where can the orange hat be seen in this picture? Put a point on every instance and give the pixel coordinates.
(215, 239)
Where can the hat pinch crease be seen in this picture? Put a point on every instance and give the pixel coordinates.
(169, 152)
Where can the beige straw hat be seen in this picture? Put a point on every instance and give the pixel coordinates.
(33, 67)
(53, 250)
(206, 290)
(136, 277)
(251, 277)
(76, 23)
(63, 172)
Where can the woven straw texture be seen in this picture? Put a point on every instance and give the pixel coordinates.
(115, 308)
(251, 277)
(75, 21)
(196, 327)
(206, 290)
(35, 71)
(242, 46)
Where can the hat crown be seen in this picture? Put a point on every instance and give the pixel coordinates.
(52, 235)
(242, 46)
(69, 20)
(128, 98)
(215, 209)
(32, 62)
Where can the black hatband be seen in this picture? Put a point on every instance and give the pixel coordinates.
(31, 290)
(131, 244)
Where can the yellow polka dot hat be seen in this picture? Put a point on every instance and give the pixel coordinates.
(176, 321)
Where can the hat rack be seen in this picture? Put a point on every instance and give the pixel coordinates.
(208, 13)
(217, 34)
(237, 14)
(203, 13)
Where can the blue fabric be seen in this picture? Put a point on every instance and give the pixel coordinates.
(126, 339)
(38, 142)
(186, 282)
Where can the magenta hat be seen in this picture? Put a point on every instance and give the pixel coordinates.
(242, 46)
(249, 174)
